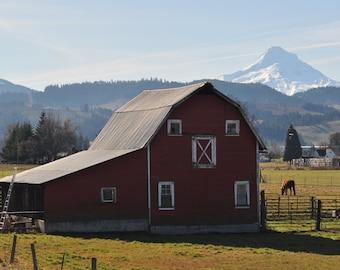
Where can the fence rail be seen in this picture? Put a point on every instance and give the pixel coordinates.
(301, 212)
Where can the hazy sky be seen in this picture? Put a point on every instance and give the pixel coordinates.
(58, 42)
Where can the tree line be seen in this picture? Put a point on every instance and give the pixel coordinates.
(50, 140)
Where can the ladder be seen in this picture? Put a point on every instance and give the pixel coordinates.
(8, 197)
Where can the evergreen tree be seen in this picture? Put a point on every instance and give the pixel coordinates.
(293, 148)
(334, 142)
(17, 143)
(54, 137)
(51, 137)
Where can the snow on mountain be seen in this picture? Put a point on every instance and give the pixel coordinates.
(282, 71)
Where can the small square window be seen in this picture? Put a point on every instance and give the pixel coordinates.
(242, 194)
(232, 127)
(108, 194)
(174, 127)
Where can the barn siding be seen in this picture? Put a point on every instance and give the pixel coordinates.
(81, 200)
(204, 196)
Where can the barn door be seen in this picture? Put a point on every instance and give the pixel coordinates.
(204, 151)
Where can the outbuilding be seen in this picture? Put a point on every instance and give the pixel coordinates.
(173, 161)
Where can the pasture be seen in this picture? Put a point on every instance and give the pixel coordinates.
(267, 250)
(7, 169)
(308, 181)
(270, 250)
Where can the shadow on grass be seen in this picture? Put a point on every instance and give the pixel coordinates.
(293, 242)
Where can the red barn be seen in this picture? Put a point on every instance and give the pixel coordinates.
(181, 160)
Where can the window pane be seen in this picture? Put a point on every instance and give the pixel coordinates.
(242, 193)
(231, 128)
(174, 128)
(108, 194)
(166, 201)
(166, 195)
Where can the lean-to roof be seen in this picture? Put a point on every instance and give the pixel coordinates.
(64, 166)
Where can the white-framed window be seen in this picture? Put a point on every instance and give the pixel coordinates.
(166, 195)
(108, 194)
(174, 127)
(242, 194)
(232, 127)
(204, 151)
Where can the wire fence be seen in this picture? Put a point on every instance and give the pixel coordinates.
(316, 178)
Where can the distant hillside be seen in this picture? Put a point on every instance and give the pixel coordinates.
(323, 95)
(97, 93)
(318, 133)
(91, 104)
(254, 92)
(8, 87)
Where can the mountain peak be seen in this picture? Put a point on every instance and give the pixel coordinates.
(282, 71)
(275, 55)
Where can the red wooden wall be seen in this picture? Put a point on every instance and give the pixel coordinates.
(76, 197)
(204, 196)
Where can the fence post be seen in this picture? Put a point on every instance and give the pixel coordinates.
(93, 264)
(35, 264)
(13, 249)
(312, 203)
(318, 216)
(63, 260)
(263, 211)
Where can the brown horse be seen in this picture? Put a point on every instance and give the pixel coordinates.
(287, 184)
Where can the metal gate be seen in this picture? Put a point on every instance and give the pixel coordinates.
(301, 213)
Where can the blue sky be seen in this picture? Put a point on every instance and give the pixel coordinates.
(58, 42)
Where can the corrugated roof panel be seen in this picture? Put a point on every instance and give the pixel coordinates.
(65, 166)
(129, 130)
(134, 124)
(151, 99)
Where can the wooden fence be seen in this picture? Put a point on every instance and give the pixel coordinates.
(291, 213)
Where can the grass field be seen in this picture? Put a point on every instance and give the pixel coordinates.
(271, 250)
(308, 181)
(7, 169)
(268, 250)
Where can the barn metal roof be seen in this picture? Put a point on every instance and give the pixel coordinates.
(130, 128)
(134, 124)
(65, 166)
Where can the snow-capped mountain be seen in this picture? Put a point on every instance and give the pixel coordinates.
(282, 71)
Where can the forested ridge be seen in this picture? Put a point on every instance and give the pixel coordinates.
(90, 104)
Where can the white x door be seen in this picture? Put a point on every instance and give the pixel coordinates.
(204, 151)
